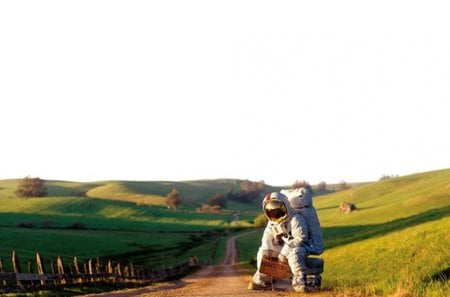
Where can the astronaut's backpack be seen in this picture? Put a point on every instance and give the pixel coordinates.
(301, 200)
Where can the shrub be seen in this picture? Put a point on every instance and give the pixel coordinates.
(217, 199)
(260, 221)
(173, 199)
(206, 208)
(78, 226)
(25, 225)
(47, 223)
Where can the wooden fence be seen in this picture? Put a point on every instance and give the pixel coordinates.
(77, 273)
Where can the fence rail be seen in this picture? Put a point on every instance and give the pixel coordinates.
(83, 273)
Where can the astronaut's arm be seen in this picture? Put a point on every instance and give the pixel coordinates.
(270, 240)
(299, 233)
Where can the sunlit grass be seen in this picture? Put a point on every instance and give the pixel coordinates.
(397, 243)
(402, 260)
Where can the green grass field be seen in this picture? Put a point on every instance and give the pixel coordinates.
(114, 225)
(397, 242)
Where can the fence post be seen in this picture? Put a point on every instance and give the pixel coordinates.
(75, 264)
(30, 270)
(110, 268)
(52, 265)
(2, 270)
(109, 271)
(60, 266)
(40, 267)
(126, 272)
(77, 269)
(119, 271)
(98, 269)
(91, 270)
(97, 265)
(132, 274)
(16, 265)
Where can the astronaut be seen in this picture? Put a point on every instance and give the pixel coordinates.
(301, 201)
(286, 233)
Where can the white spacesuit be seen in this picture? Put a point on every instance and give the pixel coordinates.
(286, 233)
(301, 200)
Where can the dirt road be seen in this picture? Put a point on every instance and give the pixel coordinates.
(216, 281)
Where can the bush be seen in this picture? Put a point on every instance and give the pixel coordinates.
(260, 221)
(173, 199)
(25, 225)
(206, 208)
(78, 226)
(217, 199)
(47, 223)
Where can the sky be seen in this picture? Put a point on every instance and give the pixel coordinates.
(261, 90)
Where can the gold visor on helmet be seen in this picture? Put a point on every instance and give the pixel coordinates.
(275, 211)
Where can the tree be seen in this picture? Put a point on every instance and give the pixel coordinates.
(31, 187)
(249, 186)
(384, 177)
(249, 192)
(217, 199)
(343, 185)
(322, 186)
(302, 184)
(173, 199)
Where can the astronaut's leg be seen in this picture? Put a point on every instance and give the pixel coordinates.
(261, 281)
(296, 260)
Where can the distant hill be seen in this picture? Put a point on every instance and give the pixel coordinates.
(193, 193)
(389, 199)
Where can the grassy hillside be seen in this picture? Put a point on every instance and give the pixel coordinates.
(146, 192)
(396, 243)
(115, 219)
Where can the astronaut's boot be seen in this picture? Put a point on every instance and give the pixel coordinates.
(299, 283)
(259, 286)
(260, 281)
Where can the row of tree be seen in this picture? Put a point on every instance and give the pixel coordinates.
(248, 193)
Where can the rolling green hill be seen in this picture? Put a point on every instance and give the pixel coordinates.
(116, 219)
(397, 242)
(146, 192)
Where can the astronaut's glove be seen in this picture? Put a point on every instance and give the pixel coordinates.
(282, 258)
(289, 241)
(279, 239)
